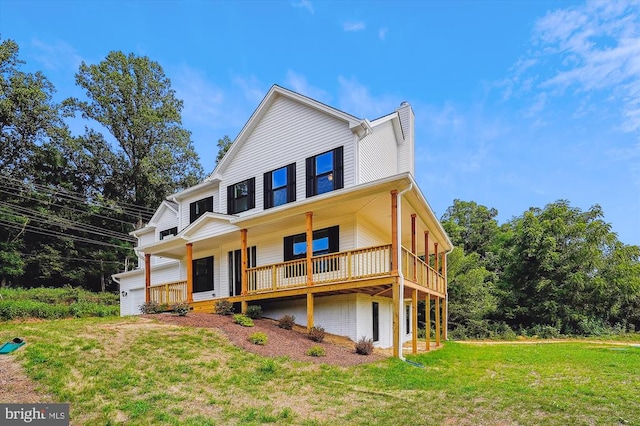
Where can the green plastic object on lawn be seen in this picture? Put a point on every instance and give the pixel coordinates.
(11, 346)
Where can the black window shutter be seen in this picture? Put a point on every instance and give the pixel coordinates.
(268, 196)
(288, 248)
(291, 182)
(311, 173)
(209, 204)
(338, 168)
(334, 239)
(251, 203)
(230, 209)
(192, 212)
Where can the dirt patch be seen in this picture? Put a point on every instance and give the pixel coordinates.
(286, 343)
(15, 387)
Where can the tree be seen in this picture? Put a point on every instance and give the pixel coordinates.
(223, 146)
(132, 98)
(471, 226)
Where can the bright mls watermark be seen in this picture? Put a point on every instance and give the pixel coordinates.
(34, 414)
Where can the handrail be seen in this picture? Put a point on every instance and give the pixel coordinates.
(418, 271)
(169, 293)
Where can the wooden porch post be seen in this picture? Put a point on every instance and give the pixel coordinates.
(413, 246)
(427, 317)
(189, 272)
(243, 266)
(394, 233)
(147, 277)
(414, 321)
(309, 311)
(443, 318)
(426, 255)
(396, 318)
(437, 300)
(435, 265)
(309, 223)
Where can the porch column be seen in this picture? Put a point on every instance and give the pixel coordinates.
(189, 272)
(437, 300)
(394, 235)
(413, 246)
(427, 318)
(443, 318)
(147, 277)
(309, 222)
(243, 266)
(309, 311)
(396, 318)
(445, 311)
(426, 255)
(435, 266)
(414, 321)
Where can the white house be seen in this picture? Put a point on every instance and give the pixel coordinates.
(312, 212)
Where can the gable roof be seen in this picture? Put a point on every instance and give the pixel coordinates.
(164, 206)
(358, 126)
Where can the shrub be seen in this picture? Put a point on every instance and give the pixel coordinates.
(258, 338)
(317, 334)
(224, 307)
(150, 308)
(254, 311)
(545, 331)
(243, 320)
(286, 322)
(316, 350)
(182, 309)
(364, 346)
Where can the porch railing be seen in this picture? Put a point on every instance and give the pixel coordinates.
(334, 267)
(416, 270)
(169, 293)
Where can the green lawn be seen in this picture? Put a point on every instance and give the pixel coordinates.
(115, 370)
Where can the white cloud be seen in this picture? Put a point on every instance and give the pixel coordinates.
(305, 4)
(252, 89)
(298, 83)
(382, 33)
(56, 55)
(353, 26)
(589, 52)
(356, 99)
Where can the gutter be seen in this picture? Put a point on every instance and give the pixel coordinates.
(399, 263)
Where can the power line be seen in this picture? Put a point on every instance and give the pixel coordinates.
(119, 262)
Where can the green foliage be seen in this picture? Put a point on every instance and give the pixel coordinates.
(317, 334)
(182, 309)
(287, 322)
(151, 307)
(258, 338)
(224, 307)
(254, 311)
(364, 346)
(223, 146)
(316, 350)
(243, 320)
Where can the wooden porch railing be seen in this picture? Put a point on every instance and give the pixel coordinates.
(169, 293)
(416, 270)
(334, 267)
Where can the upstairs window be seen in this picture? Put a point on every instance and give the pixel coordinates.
(167, 232)
(280, 186)
(325, 172)
(241, 196)
(200, 207)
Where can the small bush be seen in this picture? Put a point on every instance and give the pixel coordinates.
(364, 346)
(254, 311)
(316, 350)
(545, 331)
(317, 334)
(258, 338)
(224, 307)
(286, 322)
(243, 320)
(151, 308)
(182, 309)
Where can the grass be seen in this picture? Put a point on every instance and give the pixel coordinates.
(134, 371)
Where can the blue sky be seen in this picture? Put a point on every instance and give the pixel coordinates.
(517, 103)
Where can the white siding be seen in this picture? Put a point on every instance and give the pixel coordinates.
(214, 228)
(365, 319)
(185, 203)
(167, 220)
(369, 235)
(288, 133)
(146, 238)
(376, 154)
(406, 150)
(131, 293)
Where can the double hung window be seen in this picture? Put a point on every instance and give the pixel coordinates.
(280, 186)
(325, 172)
(200, 207)
(241, 196)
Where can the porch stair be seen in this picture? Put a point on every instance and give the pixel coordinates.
(204, 306)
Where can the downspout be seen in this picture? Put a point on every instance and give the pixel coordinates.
(399, 263)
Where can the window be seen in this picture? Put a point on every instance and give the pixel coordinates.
(376, 321)
(325, 241)
(280, 186)
(203, 274)
(325, 172)
(241, 196)
(167, 232)
(407, 315)
(200, 207)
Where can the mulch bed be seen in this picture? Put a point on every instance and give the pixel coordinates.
(287, 343)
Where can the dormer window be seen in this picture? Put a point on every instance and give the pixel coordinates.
(241, 196)
(280, 186)
(168, 232)
(325, 172)
(200, 207)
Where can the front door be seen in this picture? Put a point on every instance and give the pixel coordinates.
(235, 269)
